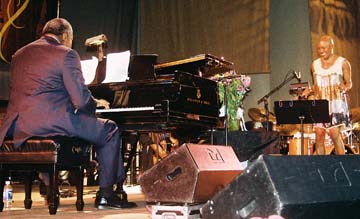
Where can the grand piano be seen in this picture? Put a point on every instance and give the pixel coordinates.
(171, 97)
(177, 97)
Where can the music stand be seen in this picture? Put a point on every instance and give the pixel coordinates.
(302, 112)
(141, 67)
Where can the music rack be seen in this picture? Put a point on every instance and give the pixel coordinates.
(302, 112)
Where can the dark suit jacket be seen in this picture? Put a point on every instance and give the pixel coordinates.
(45, 89)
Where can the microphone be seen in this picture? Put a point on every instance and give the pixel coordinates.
(96, 40)
(297, 75)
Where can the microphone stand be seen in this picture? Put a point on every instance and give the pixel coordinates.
(226, 122)
(266, 97)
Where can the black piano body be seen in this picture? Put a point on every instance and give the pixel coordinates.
(174, 99)
(178, 101)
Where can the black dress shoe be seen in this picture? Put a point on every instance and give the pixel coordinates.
(123, 197)
(113, 202)
(121, 194)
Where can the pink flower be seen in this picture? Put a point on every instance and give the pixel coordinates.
(228, 81)
(240, 88)
(246, 81)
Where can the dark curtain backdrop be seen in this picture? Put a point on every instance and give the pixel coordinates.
(238, 30)
(20, 23)
(340, 19)
(117, 19)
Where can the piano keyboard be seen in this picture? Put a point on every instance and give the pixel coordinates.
(126, 109)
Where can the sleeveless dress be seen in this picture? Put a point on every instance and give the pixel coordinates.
(328, 81)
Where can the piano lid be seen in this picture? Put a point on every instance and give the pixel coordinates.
(205, 65)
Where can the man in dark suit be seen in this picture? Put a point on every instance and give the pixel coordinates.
(48, 97)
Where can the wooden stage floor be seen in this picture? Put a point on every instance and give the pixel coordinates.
(67, 209)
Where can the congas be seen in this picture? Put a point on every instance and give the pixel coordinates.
(295, 146)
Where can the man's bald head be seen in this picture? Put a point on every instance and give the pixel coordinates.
(61, 29)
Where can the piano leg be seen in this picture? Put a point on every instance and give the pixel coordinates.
(129, 142)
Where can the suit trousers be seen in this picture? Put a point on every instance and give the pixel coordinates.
(104, 134)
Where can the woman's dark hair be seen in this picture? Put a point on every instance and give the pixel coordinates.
(57, 26)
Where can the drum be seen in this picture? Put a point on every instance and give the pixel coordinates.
(295, 146)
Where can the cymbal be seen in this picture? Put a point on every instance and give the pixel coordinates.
(259, 115)
(356, 126)
(355, 114)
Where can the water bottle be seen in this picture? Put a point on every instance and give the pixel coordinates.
(8, 195)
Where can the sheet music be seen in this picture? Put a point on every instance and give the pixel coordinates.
(117, 65)
(88, 68)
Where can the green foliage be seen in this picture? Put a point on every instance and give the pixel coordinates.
(236, 92)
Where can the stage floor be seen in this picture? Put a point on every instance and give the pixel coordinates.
(67, 208)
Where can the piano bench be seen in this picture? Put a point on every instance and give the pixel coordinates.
(48, 155)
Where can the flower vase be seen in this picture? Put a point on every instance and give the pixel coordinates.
(233, 124)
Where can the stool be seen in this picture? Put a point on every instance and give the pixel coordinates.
(49, 155)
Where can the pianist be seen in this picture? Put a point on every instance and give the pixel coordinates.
(48, 97)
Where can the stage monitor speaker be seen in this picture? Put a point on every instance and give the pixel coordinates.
(250, 145)
(295, 187)
(191, 174)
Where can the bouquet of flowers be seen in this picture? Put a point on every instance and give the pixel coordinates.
(237, 86)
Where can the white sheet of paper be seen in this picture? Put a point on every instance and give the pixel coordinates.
(117, 65)
(88, 68)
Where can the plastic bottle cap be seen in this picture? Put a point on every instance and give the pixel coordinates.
(7, 182)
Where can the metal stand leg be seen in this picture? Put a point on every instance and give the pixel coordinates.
(226, 120)
(302, 134)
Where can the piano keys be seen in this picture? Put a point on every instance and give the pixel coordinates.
(132, 109)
